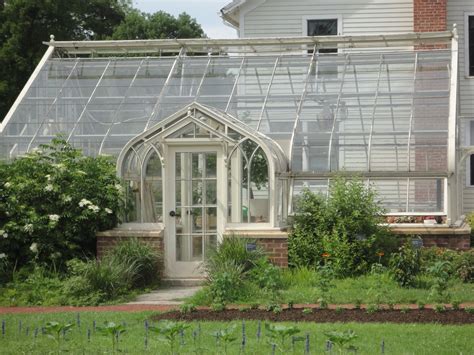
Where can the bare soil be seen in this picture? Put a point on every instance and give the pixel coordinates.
(326, 316)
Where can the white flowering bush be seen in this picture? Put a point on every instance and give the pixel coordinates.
(53, 201)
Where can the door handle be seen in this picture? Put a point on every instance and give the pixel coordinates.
(172, 213)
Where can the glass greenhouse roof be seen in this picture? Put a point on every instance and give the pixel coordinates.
(375, 105)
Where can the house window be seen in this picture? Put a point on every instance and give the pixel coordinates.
(469, 34)
(323, 27)
(470, 159)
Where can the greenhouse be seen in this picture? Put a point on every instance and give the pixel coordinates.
(212, 135)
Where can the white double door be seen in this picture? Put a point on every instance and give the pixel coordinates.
(195, 206)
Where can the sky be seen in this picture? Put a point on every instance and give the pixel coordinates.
(204, 11)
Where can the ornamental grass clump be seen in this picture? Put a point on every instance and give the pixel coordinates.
(233, 268)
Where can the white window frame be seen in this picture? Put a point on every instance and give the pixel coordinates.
(467, 143)
(466, 44)
(305, 19)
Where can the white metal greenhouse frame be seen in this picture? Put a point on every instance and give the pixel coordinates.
(382, 108)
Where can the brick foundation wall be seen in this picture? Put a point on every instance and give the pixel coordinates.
(440, 236)
(273, 241)
(429, 15)
(276, 249)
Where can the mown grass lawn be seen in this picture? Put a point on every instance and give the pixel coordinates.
(397, 338)
(300, 286)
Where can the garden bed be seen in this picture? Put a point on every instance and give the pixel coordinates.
(325, 316)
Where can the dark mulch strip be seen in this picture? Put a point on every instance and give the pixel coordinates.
(326, 316)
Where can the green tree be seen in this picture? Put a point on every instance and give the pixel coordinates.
(160, 25)
(25, 24)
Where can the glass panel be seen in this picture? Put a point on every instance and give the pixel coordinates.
(248, 185)
(211, 165)
(197, 247)
(211, 218)
(198, 163)
(197, 192)
(197, 219)
(132, 201)
(211, 192)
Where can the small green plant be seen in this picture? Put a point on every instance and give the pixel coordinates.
(274, 307)
(440, 270)
(421, 305)
(357, 303)
(254, 305)
(56, 330)
(266, 275)
(323, 304)
(291, 304)
(225, 282)
(455, 305)
(469, 310)
(342, 340)
(439, 308)
(169, 332)
(339, 310)
(278, 335)
(307, 311)
(225, 337)
(405, 264)
(187, 308)
(112, 330)
(218, 307)
(391, 305)
(372, 308)
(405, 309)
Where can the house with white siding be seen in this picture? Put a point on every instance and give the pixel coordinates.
(283, 18)
(220, 136)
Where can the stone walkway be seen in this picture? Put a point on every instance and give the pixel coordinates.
(169, 296)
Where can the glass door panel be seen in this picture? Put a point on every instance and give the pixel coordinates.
(196, 204)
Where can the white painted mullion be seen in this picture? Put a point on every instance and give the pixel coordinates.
(336, 111)
(52, 105)
(163, 89)
(267, 93)
(369, 158)
(302, 98)
(232, 93)
(117, 111)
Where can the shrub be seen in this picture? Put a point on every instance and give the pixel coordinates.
(224, 283)
(462, 261)
(345, 227)
(266, 275)
(405, 264)
(440, 272)
(229, 265)
(232, 249)
(105, 278)
(52, 202)
(141, 260)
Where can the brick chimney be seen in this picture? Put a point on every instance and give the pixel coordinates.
(429, 15)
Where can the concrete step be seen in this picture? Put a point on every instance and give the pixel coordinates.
(182, 282)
